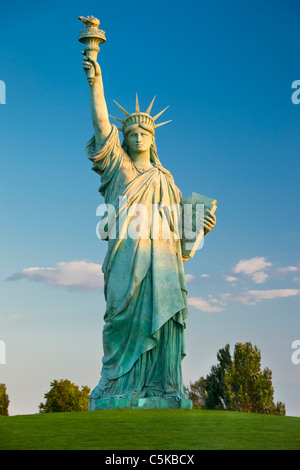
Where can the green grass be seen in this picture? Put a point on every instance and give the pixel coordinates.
(149, 429)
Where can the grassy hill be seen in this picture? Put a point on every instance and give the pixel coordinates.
(149, 430)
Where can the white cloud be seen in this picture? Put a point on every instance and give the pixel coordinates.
(203, 305)
(254, 268)
(230, 278)
(189, 277)
(205, 275)
(259, 277)
(251, 297)
(250, 266)
(75, 275)
(287, 270)
(259, 270)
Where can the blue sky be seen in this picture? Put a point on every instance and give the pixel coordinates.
(226, 70)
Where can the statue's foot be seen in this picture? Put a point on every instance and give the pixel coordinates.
(154, 393)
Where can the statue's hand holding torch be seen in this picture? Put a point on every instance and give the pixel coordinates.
(91, 36)
(91, 68)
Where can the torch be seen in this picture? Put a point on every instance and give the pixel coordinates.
(91, 36)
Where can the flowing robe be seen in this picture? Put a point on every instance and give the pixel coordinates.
(144, 283)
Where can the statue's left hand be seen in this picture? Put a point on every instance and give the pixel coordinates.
(209, 222)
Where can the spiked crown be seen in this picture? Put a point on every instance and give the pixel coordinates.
(138, 118)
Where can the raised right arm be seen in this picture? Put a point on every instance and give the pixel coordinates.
(98, 106)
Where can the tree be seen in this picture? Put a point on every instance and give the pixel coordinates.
(65, 396)
(215, 381)
(197, 393)
(4, 401)
(238, 383)
(247, 388)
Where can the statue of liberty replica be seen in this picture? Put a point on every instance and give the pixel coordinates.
(144, 281)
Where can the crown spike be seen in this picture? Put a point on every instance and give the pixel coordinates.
(137, 106)
(122, 109)
(159, 114)
(162, 124)
(150, 105)
(117, 119)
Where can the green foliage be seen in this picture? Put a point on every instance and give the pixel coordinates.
(246, 387)
(215, 381)
(4, 401)
(197, 393)
(238, 383)
(65, 396)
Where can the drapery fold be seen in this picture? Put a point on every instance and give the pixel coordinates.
(144, 280)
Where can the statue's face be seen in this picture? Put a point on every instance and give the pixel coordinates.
(139, 140)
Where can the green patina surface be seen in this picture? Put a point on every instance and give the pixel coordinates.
(145, 287)
(140, 403)
(144, 281)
